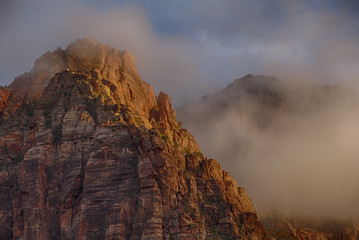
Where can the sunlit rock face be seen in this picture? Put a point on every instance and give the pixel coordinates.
(89, 152)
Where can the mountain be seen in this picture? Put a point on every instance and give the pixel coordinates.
(261, 100)
(88, 151)
(289, 144)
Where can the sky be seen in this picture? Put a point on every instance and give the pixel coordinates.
(191, 48)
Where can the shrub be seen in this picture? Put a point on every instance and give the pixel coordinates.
(57, 134)
(18, 158)
(138, 120)
(214, 232)
(6, 150)
(139, 204)
(95, 236)
(30, 108)
(47, 112)
(8, 206)
(198, 154)
(47, 115)
(165, 137)
(187, 151)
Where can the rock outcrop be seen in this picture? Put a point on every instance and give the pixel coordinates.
(296, 227)
(90, 152)
(4, 96)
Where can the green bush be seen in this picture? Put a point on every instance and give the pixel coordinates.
(95, 236)
(47, 115)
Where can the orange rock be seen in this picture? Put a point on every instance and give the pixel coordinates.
(105, 159)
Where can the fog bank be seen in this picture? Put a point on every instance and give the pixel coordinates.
(294, 148)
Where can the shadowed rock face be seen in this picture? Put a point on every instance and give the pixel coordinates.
(97, 155)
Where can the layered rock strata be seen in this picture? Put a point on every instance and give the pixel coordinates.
(89, 152)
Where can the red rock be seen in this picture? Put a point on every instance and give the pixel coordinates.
(4, 96)
(105, 159)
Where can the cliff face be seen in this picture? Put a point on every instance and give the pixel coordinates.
(89, 152)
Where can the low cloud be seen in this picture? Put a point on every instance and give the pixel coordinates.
(296, 154)
(170, 63)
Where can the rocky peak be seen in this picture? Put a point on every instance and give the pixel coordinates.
(256, 86)
(108, 66)
(164, 112)
(33, 83)
(106, 74)
(84, 55)
(108, 62)
(254, 99)
(254, 81)
(99, 156)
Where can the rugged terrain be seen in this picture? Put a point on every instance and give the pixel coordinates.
(88, 151)
(280, 226)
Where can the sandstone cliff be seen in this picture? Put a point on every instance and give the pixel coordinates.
(89, 152)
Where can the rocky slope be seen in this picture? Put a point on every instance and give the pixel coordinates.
(297, 227)
(89, 152)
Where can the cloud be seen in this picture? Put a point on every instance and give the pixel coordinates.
(301, 158)
(301, 44)
(188, 48)
(170, 63)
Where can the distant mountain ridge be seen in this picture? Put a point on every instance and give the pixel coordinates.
(249, 127)
(270, 93)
